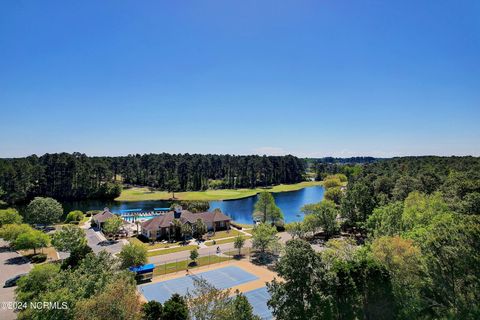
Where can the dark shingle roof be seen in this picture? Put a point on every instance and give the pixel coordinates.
(165, 220)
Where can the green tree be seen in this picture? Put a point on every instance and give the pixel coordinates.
(358, 203)
(207, 302)
(186, 230)
(241, 308)
(69, 239)
(450, 251)
(295, 229)
(403, 261)
(194, 255)
(76, 215)
(36, 281)
(331, 182)
(10, 232)
(386, 220)
(471, 203)
(118, 300)
(334, 194)
(300, 296)
(172, 186)
(265, 208)
(326, 216)
(44, 211)
(264, 238)
(133, 255)
(420, 209)
(10, 216)
(152, 310)
(175, 308)
(238, 243)
(112, 225)
(33, 239)
(200, 228)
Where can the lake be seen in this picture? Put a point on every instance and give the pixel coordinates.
(240, 210)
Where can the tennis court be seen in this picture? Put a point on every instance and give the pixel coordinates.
(258, 299)
(221, 278)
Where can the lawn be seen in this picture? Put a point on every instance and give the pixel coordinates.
(170, 250)
(143, 194)
(182, 265)
(224, 234)
(149, 246)
(210, 243)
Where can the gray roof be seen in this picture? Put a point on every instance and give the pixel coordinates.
(102, 217)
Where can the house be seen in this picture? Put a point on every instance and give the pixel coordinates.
(100, 218)
(162, 226)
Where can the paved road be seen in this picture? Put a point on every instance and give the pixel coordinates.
(11, 264)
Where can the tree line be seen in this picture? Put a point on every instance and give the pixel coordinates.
(411, 251)
(76, 176)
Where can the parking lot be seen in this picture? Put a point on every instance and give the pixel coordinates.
(11, 264)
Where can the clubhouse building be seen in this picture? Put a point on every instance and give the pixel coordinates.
(160, 227)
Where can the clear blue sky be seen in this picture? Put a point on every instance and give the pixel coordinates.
(310, 78)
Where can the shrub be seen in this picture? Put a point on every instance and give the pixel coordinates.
(38, 258)
(74, 222)
(76, 215)
(92, 212)
(332, 182)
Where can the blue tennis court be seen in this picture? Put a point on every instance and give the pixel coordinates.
(222, 278)
(258, 299)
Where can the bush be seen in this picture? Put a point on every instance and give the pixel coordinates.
(76, 215)
(332, 182)
(38, 258)
(92, 212)
(74, 222)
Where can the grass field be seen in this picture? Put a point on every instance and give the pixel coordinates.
(143, 194)
(171, 250)
(153, 246)
(182, 265)
(224, 234)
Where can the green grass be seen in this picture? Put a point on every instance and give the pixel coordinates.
(224, 234)
(170, 250)
(245, 226)
(143, 194)
(210, 243)
(182, 265)
(149, 246)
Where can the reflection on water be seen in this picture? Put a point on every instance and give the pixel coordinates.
(240, 210)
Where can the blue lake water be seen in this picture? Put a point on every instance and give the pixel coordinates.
(240, 210)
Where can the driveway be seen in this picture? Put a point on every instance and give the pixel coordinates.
(97, 241)
(11, 264)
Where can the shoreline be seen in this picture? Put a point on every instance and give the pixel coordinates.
(143, 194)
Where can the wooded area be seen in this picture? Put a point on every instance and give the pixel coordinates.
(77, 176)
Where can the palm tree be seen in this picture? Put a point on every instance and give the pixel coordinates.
(177, 224)
(186, 229)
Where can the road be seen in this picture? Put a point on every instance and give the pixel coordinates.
(11, 264)
(184, 255)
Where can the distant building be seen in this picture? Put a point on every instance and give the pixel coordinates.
(162, 226)
(100, 218)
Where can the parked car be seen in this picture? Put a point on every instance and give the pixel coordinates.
(13, 281)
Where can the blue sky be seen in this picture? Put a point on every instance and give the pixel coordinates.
(310, 78)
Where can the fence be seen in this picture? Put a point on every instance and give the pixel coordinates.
(204, 261)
